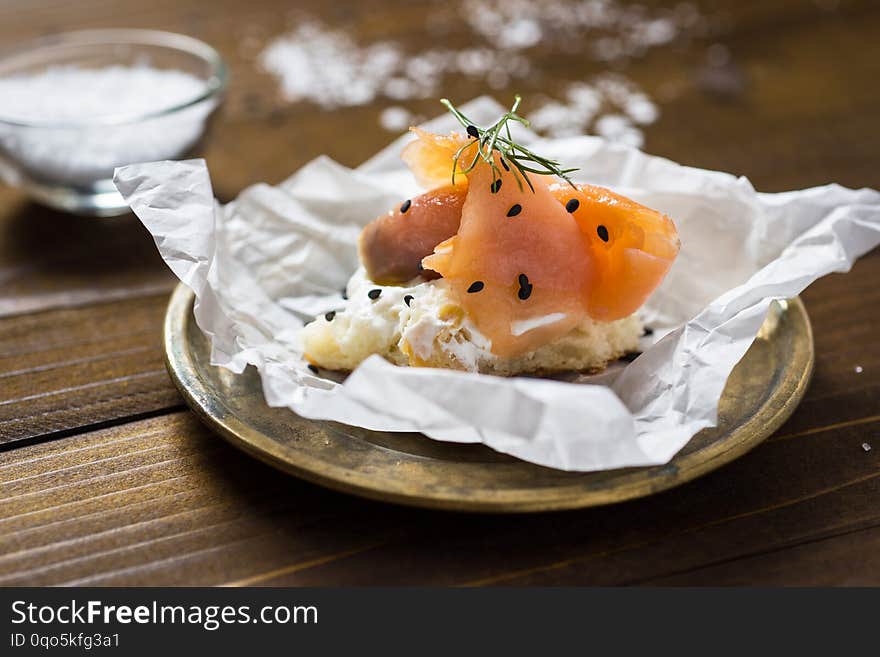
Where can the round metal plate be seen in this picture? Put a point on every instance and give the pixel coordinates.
(407, 468)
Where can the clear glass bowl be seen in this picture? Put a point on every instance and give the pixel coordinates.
(68, 164)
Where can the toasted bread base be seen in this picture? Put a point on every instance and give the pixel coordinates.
(431, 330)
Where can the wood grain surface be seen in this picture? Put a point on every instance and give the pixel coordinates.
(106, 479)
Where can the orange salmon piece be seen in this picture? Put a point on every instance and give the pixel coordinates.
(519, 264)
(392, 246)
(632, 247)
(525, 266)
(430, 157)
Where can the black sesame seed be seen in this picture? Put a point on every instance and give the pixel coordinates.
(472, 131)
(329, 316)
(495, 186)
(572, 205)
(344, 293)
(313, 368)
(406, 204)
(648, 331)
(515, 209)
(476, 286)
(525, 288)
(504, 164)
(374, 293)
(603, 233)
(408, 299)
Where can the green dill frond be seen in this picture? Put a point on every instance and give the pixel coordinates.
(497, 137)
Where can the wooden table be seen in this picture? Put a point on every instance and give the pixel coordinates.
(105, 477)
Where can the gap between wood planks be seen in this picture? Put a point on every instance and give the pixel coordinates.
(304, 565)
(827, 427)
(14, 444)
(820, 538)
(273, 510)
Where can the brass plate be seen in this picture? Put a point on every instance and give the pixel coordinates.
(408, 468)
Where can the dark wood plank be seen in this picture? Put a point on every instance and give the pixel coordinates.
(71, 368)
(52, 260)
(851, 554)
(164, 501)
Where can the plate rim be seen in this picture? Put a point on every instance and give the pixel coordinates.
(741, 439)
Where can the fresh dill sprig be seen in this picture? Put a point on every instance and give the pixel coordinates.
(497, 137)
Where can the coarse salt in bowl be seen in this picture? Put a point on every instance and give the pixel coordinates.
(75, 106)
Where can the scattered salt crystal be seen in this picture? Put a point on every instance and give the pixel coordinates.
(328, 67)
(585, 97)
(427, 65)
(612, 126)
(85, 154)
(858, 369)
(656, 32)
(616, 29)
(521, 33)
(396, 119)
(866, 447)
(475, 61)
(641, 109)
(400, 89)
(631, 137)
(611, 105)
(559, 120)
(498, 79)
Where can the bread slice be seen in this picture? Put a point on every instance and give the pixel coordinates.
(421, 325)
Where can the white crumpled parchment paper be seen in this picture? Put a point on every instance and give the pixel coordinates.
(277, 256)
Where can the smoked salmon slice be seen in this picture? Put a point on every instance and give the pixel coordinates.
(631, 245)
(431, 156)
(527, 258)
(520, 275)
(392, 246)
